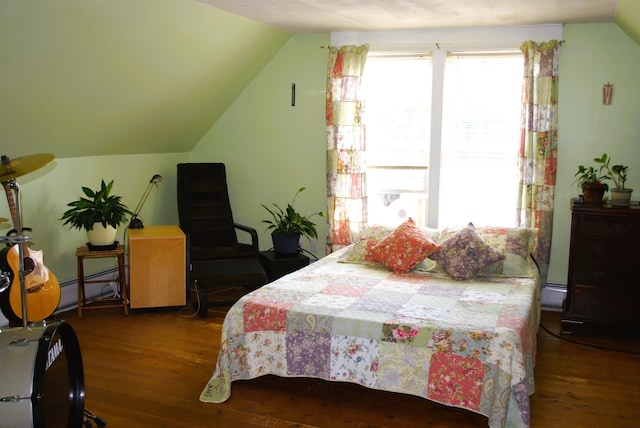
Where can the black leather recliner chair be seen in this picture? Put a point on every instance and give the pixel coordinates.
(216, 259)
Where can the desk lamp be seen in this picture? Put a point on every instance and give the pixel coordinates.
(135, 222)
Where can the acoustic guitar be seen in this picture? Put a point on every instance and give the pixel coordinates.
(42, 290)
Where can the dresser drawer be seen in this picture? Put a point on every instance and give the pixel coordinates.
(597, 249)
(608, 226)
(615, 308)
(605, 276)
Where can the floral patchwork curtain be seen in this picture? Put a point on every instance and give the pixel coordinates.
(539, 144)
(346, 180)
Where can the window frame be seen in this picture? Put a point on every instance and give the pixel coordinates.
(439, 58)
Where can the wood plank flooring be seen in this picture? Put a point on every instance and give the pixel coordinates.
(148, 369)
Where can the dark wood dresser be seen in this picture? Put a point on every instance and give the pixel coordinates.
(603, 284)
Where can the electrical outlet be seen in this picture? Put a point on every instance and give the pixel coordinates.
(314, 246)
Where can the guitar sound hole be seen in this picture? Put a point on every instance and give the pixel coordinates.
(29, 265)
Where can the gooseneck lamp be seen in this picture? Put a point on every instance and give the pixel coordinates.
(135, 222)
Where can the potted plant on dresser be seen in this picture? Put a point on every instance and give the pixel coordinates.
(99, 214)
(591, 181)
(620, 196)
(287, 226)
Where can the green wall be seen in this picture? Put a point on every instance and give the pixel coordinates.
(45, 193)
(592, 55)
(271, 148)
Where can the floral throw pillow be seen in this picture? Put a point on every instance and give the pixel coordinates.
(356, 253)
(516, 244)
(465, 253)
(403, 249)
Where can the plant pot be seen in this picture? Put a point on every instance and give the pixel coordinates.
(621, 197)
(285, 246)
(593, 193)
(99, 236)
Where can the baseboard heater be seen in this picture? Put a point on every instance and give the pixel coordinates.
(69, 291)
(552, 296)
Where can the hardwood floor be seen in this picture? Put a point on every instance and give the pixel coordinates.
(148, 369)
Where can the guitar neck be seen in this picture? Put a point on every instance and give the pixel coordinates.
(13, 209)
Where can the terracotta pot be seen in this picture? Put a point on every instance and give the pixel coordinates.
(593, 193)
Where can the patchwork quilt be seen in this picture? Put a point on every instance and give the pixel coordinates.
(468, 344)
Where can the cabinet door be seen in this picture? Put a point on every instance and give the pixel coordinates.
(157, 272)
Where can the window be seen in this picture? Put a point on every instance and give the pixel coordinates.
(442, 138)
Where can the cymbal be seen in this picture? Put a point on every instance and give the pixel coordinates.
(13, 168)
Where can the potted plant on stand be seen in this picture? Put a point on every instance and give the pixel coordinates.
(287, 226)
(620, 195)
(99, 214)
(591, 181)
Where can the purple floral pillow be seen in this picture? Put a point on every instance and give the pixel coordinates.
(464, 254)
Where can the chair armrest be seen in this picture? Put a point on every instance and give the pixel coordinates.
(251, 231)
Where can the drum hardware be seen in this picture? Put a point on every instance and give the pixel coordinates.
(9, 171)
(19, 238)
(88, 417)
(5, 282)
(43, 378)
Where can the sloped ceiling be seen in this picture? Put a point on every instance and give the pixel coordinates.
(628, 18)
(90, 78)
(305, 16)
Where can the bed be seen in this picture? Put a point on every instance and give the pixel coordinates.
(467, 342)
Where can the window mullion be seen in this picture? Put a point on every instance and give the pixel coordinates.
(437, 99)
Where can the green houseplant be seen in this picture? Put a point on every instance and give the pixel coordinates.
(99, 214)
(287, 226)
(591, 181)
(618, 174)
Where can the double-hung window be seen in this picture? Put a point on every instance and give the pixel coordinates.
(443, 135)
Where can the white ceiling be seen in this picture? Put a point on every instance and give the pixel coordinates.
(309, 16)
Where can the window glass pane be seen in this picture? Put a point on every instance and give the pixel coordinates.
(397, 95)
(477, 171)
(480, 140)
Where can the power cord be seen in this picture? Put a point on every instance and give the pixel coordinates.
(591, 345)
(181, 312)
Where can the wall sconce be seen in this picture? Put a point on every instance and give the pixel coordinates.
(607, 94)
(135, 222)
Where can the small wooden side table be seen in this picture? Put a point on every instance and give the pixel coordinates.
(103, 302)
(277, 267)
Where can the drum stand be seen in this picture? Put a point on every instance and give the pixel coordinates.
(10, 170)
(20, 239)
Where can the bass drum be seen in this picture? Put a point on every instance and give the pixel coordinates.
(42, 377)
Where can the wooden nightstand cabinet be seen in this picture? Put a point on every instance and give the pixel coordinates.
(277, 267)
(157, 267)
(604, 257)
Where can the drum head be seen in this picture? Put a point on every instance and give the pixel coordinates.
(58, 396)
